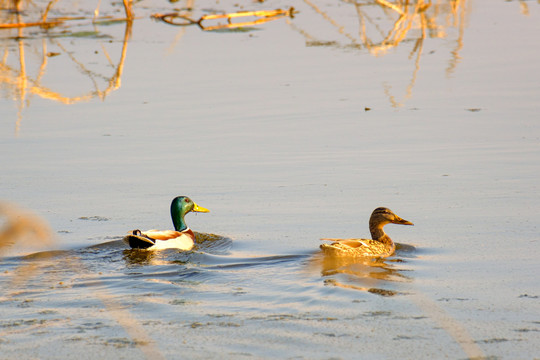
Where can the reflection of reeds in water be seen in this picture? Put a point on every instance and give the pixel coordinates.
(423, 17)
(20, 227)
(17, 6)
(384, 25)
(250, 18)
(21, 85)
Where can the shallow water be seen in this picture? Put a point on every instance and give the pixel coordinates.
(289, 131)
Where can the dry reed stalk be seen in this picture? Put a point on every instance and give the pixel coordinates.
(22, 227)
(390, 5)
(128, 7)
(38, 23)
(46, 12)
(241, 24)
(265, 15)
(260, 13)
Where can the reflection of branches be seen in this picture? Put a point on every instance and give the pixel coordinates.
(259, 17)
(425, 23)
(341, 29)
(128, 7)
(458, 11)
(403, 22)
(20, 83)
(115, 81)
(407, 19)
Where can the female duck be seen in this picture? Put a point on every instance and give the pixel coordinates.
(181, 238)
(380, 246)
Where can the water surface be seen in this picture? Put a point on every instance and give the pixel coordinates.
(289, 131)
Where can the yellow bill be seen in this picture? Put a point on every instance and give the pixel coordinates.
(197, 208)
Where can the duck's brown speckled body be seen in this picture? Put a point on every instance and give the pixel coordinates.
(379, 246)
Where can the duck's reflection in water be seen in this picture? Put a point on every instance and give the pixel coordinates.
(374, 275)
(139, 257)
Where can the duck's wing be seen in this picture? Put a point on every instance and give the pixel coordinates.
(162, 234)
(353, 243)
(137, 239)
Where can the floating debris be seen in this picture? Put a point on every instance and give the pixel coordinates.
(94, 218)
(528, 296)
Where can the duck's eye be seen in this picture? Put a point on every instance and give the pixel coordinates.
(187, 200)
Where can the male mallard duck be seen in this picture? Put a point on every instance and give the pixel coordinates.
(181, 238)
(380, 246)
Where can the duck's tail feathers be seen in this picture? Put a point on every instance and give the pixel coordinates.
(137, 240)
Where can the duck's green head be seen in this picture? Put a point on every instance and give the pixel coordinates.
(180, 206)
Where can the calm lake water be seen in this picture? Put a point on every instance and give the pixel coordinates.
(288, 131)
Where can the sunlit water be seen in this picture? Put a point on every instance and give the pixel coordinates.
(289, 131)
